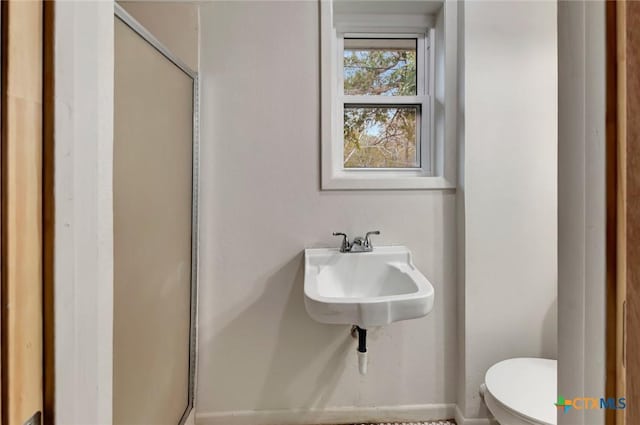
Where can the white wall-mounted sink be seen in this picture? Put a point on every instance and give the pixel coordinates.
(365, 289)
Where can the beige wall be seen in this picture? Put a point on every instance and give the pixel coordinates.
(261, 206)
(581, 208)
(173, 23)
(83, 212)
(510, 188)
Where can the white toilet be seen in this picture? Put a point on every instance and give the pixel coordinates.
(522, 391)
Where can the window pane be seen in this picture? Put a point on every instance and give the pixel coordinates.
(381, 67)
(381, 136)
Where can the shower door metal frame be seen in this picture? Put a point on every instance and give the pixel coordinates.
(139, 29)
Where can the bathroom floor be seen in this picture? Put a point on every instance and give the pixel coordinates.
(442, 422)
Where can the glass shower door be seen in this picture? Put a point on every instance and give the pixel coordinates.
(153, 187)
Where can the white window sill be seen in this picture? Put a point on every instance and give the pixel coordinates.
(361, 182)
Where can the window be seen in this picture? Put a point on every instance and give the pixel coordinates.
(385, 124)
(384, 102)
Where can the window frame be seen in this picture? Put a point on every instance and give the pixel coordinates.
(422, 99)
(441, 27)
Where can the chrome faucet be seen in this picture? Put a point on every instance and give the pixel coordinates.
(359, 244)
(345, 246)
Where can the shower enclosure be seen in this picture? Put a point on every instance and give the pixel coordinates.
(155, 229)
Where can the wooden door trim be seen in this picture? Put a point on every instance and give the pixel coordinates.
(48, 211)
(620, 188)
(629, 165)
(21, 211)
(611, 151)
(623, 209)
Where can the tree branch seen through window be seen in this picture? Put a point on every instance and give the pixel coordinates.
(380, 136)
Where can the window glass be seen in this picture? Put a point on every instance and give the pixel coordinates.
(380, 67)
(381, 136)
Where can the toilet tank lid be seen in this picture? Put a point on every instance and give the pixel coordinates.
(527, 386)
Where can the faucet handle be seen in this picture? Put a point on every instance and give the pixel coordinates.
(367, 241)
(344, 247)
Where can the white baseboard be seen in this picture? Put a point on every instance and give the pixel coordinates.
(332, 415)
(461, 420)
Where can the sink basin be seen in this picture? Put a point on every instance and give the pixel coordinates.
(365, 289)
